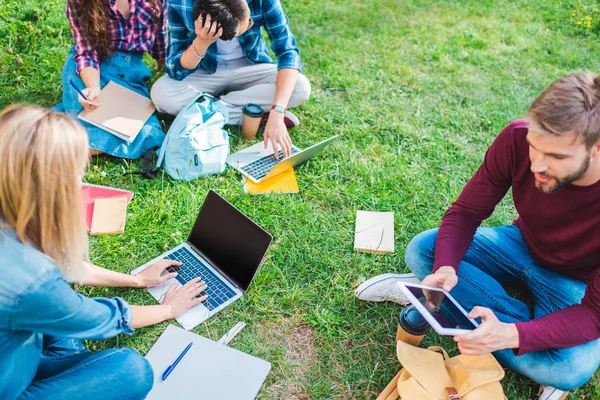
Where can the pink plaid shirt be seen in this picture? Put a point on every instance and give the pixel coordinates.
(137, 33)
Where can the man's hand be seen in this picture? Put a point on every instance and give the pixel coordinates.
(490, 336)
(91, 93)
(445, 278)
(207, 32)
(180, 300)
(277, 133)
(154, 274)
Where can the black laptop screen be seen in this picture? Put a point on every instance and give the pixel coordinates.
(232, 241)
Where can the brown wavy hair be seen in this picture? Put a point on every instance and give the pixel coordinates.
(572, 103)
(95, 22)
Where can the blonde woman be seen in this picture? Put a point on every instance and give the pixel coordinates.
(43, 246)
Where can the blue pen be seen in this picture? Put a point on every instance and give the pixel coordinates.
(172, 366)
(76, 88)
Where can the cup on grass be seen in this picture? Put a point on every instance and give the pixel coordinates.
(411, 326)
(251, 118)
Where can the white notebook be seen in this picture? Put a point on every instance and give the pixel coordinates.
(209, 370)
(374, 232)
(123, 112)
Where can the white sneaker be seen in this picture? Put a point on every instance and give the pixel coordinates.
(550, 393)
(384, 288)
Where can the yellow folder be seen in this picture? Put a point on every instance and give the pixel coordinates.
(283, 183)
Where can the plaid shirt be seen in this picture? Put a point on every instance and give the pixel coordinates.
(134, 34)
(267, 13)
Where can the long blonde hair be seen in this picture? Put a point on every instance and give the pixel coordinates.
(43, 156)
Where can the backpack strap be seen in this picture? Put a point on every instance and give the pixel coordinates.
(440, 350)
(391, 391)
(147, 171)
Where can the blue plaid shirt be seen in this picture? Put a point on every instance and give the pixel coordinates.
(267, 13)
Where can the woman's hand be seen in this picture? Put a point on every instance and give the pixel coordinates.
(180, 300)
(155, 273)
(92, 94)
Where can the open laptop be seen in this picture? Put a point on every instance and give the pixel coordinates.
(224, 249)
(257, 163)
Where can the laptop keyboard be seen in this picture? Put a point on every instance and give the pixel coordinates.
(218, 292)
(259, 168)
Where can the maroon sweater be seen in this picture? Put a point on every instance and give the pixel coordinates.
(560, 230)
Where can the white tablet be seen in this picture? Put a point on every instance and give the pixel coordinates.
(434, 315)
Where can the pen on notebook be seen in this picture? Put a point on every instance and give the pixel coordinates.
(171, 367)
(76, 88)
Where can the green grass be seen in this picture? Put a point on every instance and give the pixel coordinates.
(417, 90)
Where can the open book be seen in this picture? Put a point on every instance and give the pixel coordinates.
(123, 112)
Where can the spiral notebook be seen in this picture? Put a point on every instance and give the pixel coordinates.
(90, 193)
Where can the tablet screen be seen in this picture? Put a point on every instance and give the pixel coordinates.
(439, 298)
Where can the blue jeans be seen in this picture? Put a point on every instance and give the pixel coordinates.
(68, 371)
(127, 69)
(499, 257)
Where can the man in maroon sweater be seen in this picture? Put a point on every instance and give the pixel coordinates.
(551, 159)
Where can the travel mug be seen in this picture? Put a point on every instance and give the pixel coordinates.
(252, 116)
(411, 326)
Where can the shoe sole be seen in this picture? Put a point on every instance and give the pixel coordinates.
(292, 120)
(562, 396)
(367, 284)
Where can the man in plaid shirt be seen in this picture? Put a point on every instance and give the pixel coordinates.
(216, 46)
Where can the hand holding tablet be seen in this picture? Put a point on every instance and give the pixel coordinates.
(431, 309)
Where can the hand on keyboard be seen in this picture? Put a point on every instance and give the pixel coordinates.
(157, 273)
(180, 300)
(193, 268)
(277, 133)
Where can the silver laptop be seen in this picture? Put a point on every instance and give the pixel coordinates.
(257, 163)
(224, 249)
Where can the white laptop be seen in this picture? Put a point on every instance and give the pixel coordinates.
(257, 163)
(224, 249)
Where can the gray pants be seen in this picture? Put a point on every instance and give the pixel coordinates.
(237, 82)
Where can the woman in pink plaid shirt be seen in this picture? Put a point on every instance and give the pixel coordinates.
(111, 37)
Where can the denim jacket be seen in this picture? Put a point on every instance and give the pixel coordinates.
(36, 301)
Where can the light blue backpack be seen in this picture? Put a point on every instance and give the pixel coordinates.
(196, 144)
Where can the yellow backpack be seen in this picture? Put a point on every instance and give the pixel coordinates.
(429, 374)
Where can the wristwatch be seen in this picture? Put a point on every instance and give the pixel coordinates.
(278, 107)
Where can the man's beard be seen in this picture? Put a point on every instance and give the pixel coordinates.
(558, 183)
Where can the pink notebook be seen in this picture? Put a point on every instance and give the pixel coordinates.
(89, 193)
